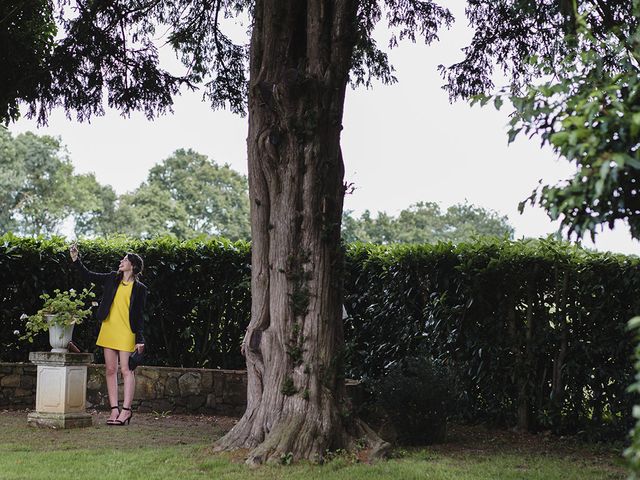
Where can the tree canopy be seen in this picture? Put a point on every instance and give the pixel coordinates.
(27, 34)
(508, 34)
(589, 113)
(111, 47)
(186, 195)
(72, 52)
(425, 222)
(40, 190)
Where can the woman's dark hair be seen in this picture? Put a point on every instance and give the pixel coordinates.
(136, 263)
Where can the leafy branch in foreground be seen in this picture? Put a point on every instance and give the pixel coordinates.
(589, 113)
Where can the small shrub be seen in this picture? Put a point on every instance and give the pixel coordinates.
(416, 396)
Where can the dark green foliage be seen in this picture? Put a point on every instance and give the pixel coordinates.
(27, 32)
(501, 315)
(198, 305)
(109, 50)
(586, 107)
(416, 396)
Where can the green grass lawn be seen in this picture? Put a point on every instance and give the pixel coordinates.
(178, 448)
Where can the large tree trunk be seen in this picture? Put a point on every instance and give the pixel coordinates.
(296, 405)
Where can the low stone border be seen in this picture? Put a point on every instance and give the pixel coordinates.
(18, 384)
(159, 389)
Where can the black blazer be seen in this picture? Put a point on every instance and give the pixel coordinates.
(109, 283)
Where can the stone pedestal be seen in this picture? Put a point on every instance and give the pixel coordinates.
(61, 390)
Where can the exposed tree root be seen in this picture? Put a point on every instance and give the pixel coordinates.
(298, 436)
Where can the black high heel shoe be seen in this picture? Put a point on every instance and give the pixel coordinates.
(113, 422)
(126, 420)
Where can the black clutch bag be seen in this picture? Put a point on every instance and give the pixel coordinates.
(135, 359)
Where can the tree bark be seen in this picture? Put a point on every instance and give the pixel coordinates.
(299, 64)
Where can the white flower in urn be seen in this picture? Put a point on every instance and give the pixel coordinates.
(94, 304)
(23, 318)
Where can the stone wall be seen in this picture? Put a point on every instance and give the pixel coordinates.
(18, 385)
(159, 389)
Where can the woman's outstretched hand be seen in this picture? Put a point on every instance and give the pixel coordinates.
(73, 250)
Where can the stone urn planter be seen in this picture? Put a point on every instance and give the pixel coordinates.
(59, 335)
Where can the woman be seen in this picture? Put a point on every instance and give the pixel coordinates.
(121, 312)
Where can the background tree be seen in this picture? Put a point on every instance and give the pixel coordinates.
(214, 198)
(465, 221)
(36, 190)
(150, 211)
(301, 57)
(94, 207)
(186, 195)
(40, 190)
(12, 175)
(421, 221)
(366, 228)
(424, 222)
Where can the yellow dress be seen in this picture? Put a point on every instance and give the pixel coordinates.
(115, 332)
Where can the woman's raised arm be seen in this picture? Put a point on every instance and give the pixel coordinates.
(87, 275)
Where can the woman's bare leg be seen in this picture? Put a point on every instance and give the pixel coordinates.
(129, 379)
(111, 373)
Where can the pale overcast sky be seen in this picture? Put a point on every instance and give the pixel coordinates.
(401, 144)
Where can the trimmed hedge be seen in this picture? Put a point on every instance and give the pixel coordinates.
(199, 295)
(534, 330)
